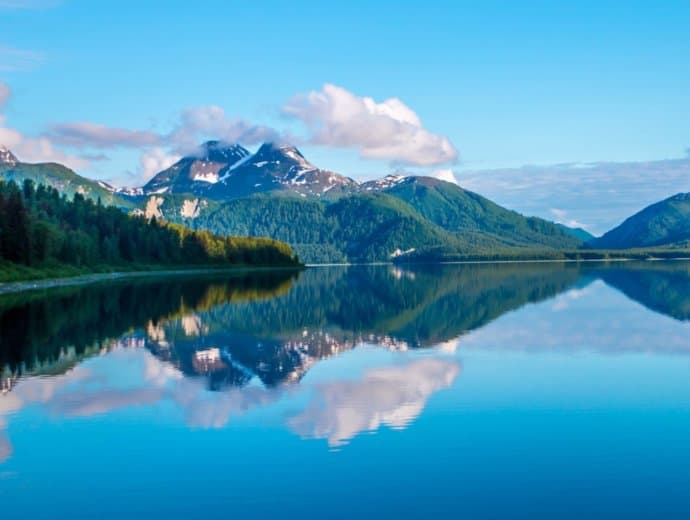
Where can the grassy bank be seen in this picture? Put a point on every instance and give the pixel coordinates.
(11, 273)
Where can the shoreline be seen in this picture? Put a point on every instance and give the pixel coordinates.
(85, 279)
(526, 261)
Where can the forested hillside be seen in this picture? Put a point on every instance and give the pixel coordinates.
(277, 193)
(40, 227)
(666, 223)
(64, 180)
(359, 228)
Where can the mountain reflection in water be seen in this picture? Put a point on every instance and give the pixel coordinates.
(218, 346)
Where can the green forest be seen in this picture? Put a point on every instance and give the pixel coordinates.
(44, 231)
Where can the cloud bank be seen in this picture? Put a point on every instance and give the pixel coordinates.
(596, 196)
(91, 135)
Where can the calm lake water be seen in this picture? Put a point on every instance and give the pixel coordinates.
(465, 391)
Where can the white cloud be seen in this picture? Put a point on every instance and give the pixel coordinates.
(561, 216)
(387, 130)
(41, 150)
(37, 149)
(211, 122)
(445, 174)
(83, 134)
(195, 125)
(155, 160)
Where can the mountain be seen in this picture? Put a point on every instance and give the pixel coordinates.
(223, 172)
(197, 173)
(7, 157)
(358, 228)
(577, 232)
(665, 223)
(457, 210)
(59, 177)
(327, 217)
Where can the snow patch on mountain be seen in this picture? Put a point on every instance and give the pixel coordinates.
(210, 177)
(130, 192)
(191, 208)
(106, 186)
(382, 184)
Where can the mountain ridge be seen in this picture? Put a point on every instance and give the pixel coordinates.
(277, 193)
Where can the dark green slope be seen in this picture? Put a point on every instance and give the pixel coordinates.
(578, 232)
(385, 225)
(662, 224)
(367, 227)
(462, 211)
(62, 179)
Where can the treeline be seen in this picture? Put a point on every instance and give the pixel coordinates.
(450, 254)
(40, 227)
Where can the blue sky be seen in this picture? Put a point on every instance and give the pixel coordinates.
(481, 85)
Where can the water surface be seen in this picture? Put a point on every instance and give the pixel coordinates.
(478, 391)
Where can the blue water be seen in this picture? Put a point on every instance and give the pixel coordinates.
(502, 392)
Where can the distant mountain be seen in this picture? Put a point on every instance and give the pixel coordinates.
(59, 177)
(577, 232)
(7, 157)
(665, 223)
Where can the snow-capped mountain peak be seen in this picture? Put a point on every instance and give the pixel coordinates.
(221, 152)
(7, 157)
(222, 171)
(278, 167)
(272, 152)
(198, 171)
